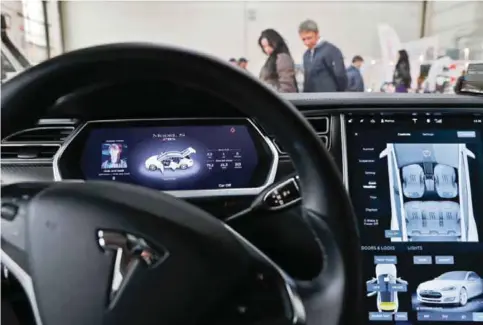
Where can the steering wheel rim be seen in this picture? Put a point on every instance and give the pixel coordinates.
(327, 208)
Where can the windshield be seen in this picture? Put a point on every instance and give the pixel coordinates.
(291, 46)
(456, 275)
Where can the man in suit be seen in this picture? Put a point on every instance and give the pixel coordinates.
(324, 69)
(354, 76)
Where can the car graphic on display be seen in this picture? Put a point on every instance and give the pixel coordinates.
(430, 190)
(386, 286)
(456, 287)
(171, 160)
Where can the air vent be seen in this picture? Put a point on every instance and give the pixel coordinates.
(324, 138)
(320, 124)
(47, 134)
(28, 152)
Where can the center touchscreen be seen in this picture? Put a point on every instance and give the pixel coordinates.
(189, 157)
(416, 182)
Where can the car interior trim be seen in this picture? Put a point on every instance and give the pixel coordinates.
(188, 193)
(13, 135)
(343, 140)
(18, 161)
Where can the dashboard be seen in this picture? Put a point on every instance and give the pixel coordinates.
(413, 167)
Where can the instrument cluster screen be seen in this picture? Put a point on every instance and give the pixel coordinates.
(180, 157)
(416, 182)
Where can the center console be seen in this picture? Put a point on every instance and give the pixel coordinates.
(416, 182)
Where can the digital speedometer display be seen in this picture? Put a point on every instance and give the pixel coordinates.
(174, 157)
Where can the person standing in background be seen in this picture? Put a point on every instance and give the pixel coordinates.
(324, 69)
(354, 76)
(459, 81)
(233, 61)
(243, 63)
(279, 68)
(402, 73)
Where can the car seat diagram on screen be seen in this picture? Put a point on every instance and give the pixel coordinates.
(430, 191)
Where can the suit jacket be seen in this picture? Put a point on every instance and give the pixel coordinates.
(324, 69)
(355, 80)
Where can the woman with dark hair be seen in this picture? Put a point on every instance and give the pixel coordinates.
(279, 69)
(402, 73)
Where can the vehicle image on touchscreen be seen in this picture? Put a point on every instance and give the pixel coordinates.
(171, 160)
(456, 287)
(430, 192)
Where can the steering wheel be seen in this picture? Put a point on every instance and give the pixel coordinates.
(111, 253)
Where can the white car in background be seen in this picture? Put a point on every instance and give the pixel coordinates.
(171, 160)
(456, 287)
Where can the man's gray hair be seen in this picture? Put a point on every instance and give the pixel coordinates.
(308, 26)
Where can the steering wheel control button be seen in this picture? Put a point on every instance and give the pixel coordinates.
(9, 211)
(127, 248)
(283, 195)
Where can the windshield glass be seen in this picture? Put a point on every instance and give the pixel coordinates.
(456, 275)
(291, 46)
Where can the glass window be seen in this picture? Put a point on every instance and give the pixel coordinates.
(7, 67)
(455, 275)
(473, 276)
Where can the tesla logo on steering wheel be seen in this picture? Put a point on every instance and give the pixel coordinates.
(129, 251)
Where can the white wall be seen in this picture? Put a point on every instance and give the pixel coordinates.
(231, 28)
(211, 27)
(458, 24)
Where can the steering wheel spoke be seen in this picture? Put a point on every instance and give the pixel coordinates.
(265, 298)
(88, 236)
